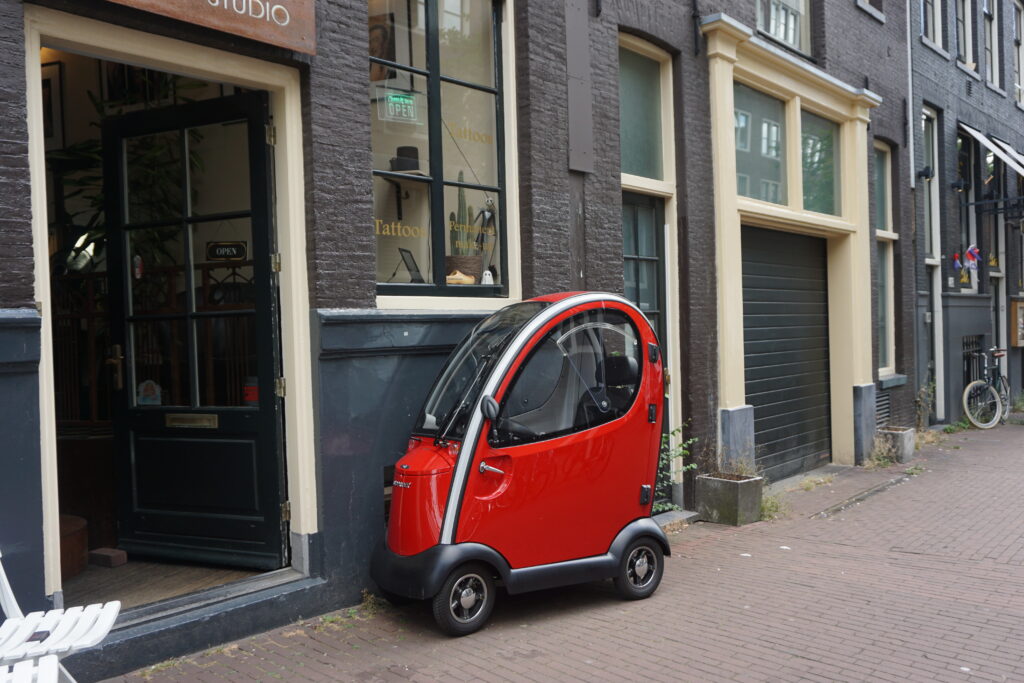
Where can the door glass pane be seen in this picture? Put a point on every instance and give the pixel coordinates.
(160, 363)
(640, 115)
(763, 162)
(153, 177)
(820, 145)
(401, 225)
(647, 234)
(219, 168)
(156, 270)
(472, 247)
(469, 135)
(648, 289)
(226, 356)
(628, 229)
(222, 256)
(467, 41)
(584, 373)
(399, 133)
(396, 34)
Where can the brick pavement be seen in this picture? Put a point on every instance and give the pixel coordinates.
(921, 581)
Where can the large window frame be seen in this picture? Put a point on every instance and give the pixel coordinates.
(886, 239)
(932, 22)
(990, 19)
(786, 21)
(435, 181)
(967, 156)
(1018, 51)
(965, 33)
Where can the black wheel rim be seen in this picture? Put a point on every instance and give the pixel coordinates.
(641, 567)
(467, 598)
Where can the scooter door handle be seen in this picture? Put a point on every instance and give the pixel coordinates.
(484, 467)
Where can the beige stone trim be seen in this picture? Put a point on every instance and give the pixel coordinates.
(737, 55)
(48, 27)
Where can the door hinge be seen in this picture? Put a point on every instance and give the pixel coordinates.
(286, 511)
(279, 387)
(271, 134)
(275, 263)
(668, 378)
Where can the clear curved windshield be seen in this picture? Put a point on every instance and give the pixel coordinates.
(446, 411)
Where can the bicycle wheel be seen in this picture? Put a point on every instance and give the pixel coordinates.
(1003, 389)
(981, 404)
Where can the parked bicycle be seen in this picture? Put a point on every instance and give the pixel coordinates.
(987, 399)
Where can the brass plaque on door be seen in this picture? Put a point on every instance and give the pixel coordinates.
(192, 420)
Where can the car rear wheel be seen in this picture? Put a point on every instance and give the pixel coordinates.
(465, 601)
(640, 569)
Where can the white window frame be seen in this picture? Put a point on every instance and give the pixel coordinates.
(933, 262)
(990, 19)
(965, 40)
(1018, 51)
(887, 236)
(787, 21)
(513, 241)
(666, 189)
(932, 16)
(743, 141)
(771, 147)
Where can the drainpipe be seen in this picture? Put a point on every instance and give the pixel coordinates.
(910, 108)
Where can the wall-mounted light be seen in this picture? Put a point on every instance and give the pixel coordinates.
(959, 185)
(926, 173)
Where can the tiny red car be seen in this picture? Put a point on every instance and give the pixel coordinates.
(532, 463)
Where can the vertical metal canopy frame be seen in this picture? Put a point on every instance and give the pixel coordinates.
(996, 149)
(1012, 208)
(436, 179)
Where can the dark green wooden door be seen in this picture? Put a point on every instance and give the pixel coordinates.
(195, 332)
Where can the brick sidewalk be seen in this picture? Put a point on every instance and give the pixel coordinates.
(923, 580)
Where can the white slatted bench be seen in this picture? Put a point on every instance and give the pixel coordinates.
(32, 644)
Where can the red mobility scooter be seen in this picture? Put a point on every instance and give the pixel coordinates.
(532, 462)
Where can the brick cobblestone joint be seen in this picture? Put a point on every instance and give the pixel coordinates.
(924, 580)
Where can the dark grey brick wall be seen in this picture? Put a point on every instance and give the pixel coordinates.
(15, 208)
(957, 95)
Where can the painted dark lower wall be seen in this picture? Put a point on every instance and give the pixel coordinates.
(372, 372)
(21, 514)
(963, 315)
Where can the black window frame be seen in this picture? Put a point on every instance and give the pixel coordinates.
(435, 180)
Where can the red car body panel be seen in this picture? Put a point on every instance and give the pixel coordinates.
(559, 499)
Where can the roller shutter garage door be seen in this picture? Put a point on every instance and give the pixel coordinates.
(785, 332)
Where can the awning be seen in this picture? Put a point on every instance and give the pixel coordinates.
(1008, 148)
(1008, 159)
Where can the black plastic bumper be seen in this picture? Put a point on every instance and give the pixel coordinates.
(420, 576)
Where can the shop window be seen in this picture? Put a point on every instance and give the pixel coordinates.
(763, 162)
(787, 21)
(820, 146)
(965, 32)
(967, 279)
(640, 115)
(437, 141)
(584, 373)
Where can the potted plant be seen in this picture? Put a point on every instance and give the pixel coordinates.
(901, 441)
(730, 495)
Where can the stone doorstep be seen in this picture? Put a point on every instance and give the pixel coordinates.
(675, 520)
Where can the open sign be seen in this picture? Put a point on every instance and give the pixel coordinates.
(225, 251)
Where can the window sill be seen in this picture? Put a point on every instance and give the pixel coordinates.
(874, 13)
(887, 235)
(995, 88)
(936, 47)
(973, 73)
(786, 46)
(1020, 105)
(891, 380)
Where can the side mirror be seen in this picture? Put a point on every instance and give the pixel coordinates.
(489, 407)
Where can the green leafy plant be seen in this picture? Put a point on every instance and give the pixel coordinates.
(772, 507)
(913, 470)
(883, 454)
(666, 456)
(960, 425)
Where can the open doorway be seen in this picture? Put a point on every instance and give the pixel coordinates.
(165, 331)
